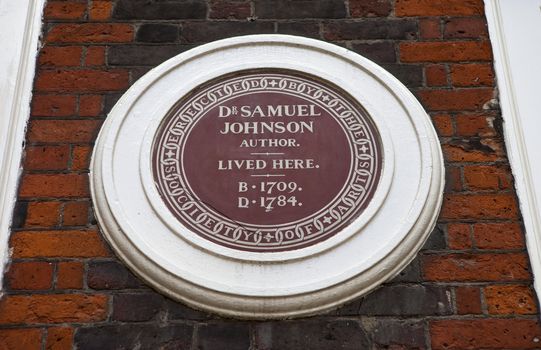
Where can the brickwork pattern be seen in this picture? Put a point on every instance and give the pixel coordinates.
(469, 288)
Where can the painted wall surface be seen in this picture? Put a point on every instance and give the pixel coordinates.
(470, 286)
(516, 43)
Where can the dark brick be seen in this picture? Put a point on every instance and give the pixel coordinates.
(136, 307)
(134, 336)
(350, 308)
(199, 32)
(436, 240)
(110, 275)
(379, 52)
(178, 311)
(171, 9)
(395, 334)
(407, 300)
(19, 214)
(370, 8)
(453, 177)
(312, 334)
(157, 33)
(217, 336)
(146, 306)
(412, 273)
(228, 9)
(308, 29)
(110, 101)
(92, 217)
(465, 28)
(410, 75)
(137, 72)
(143, 55)
(284, 9)
(371, 29)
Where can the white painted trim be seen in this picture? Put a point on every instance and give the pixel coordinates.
(516, 120)
(20, 26)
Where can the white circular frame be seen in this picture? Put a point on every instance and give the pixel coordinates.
(179, 263)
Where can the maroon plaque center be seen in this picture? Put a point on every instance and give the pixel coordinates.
(267, 158)
(266, 161)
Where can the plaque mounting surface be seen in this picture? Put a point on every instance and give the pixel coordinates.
(267, 176)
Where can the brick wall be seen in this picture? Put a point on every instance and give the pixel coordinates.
(470, 287)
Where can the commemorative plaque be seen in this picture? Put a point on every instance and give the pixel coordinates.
(266, 177)
(267, 161)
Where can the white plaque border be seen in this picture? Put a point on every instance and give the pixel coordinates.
(379, 244)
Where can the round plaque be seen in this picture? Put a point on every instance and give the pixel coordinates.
(267, 176)
(267, 161)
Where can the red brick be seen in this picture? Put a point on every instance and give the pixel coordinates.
(225, 9)
(53, 105)
(443, 124)
(90, 105)
(54, 185)
(56, 308)
(46, 158)
(445, 51)
(475, 125)
(64, 10)
(95, 56)
(472, 75)
(458, 153)
(75, 213)
(429, 28)
(42, 214)
(59, 338)
(479, 206)
(455, 100)
(453, 179)
(53, 131)
(484, 150)
(100, 10)
(439, 7)
(70, 275)
(82, 80)
(20, 339)
(468, 300)
(369, 8)
(67, 244)
(469, 27)
(459, 236)
(510, 300)
(487, 177)
(498, 236)
(485, 334)
(91, 33)
(81, 157)
(30, 275)
(476, 267)
(61, 56)
(436, 75)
